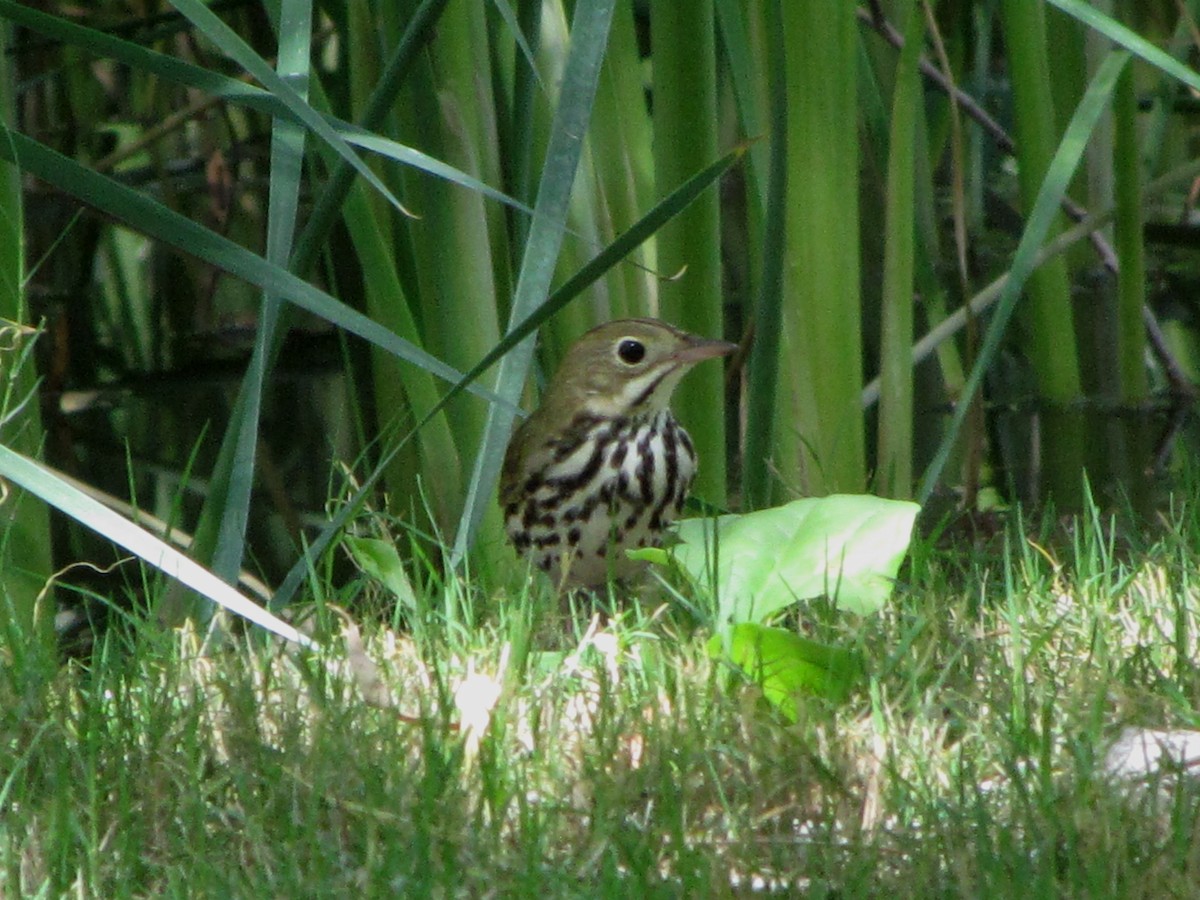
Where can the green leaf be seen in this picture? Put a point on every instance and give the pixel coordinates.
(847, 547)
(787, 666)
(379, 560)
(1130, 40)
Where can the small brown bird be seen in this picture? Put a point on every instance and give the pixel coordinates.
(602, 465)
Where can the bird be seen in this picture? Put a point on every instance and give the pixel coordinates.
(602, 465)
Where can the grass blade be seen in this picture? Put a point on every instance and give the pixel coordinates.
(287, 164)
(1130, 40)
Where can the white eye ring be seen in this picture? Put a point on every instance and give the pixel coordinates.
(630, 351)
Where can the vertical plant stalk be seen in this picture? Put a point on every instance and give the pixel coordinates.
(764, 353)
(621, 144)
(894, 477)
(454, 241)
(1045, 317)
(24, 521)
(399, 393)
(1046, 314)
(518, 141)
(1068, 74)
(1128, 234)
(819, 444)
(928, 283)
(683, 43)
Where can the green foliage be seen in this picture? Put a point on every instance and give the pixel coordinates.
(437, 170)
(787, 666)
(433, 763)
(845, 547)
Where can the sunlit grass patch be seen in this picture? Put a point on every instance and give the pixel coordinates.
(608, 751)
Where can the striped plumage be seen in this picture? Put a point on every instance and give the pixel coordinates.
(602, 465)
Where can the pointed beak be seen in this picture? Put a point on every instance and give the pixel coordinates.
(699, 349)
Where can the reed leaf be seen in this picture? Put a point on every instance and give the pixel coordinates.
(1130, 244)
(761, 394)
(819, 441)
(894, 475)
(683, 41)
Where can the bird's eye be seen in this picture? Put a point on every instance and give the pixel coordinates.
(631, 351)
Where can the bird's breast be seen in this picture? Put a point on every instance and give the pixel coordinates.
(604, 486)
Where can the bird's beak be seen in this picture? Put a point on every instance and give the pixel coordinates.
(699, 349)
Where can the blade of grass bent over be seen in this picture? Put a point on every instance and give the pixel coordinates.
(90, 512)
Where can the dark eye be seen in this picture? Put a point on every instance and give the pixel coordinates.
(631, 352)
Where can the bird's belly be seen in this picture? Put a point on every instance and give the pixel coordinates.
(593, 506)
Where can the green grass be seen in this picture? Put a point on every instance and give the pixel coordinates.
(623, 761)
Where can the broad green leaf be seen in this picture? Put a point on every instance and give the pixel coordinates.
(847, 547)
(787, 666)
(379, 560)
